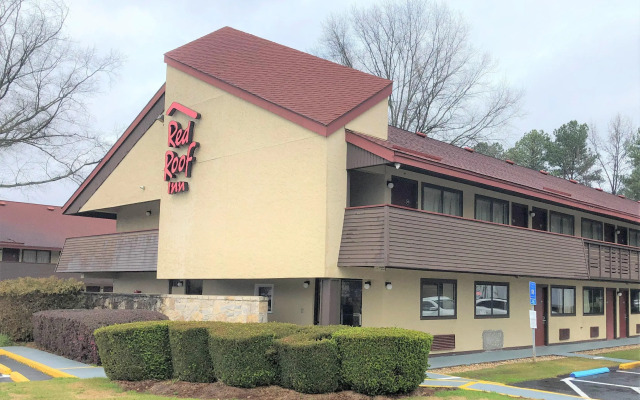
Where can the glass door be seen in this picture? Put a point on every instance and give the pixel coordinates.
(351, 302)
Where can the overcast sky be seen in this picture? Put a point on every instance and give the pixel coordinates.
(573, 59)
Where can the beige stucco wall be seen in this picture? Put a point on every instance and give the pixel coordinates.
(374, 122)
(291, 301)
(134, 217)
(145, 282)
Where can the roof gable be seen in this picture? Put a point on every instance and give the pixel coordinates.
(318, 94)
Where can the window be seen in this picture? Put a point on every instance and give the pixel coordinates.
(635, 301)
(10, 255)
(561, 223)
(265, 290)
(634, 237)
(492, 210)
(563, 300)
(593, 301)
(492, 300)
(591, 229)
(441, 200)
(437, 299)
(36, 256)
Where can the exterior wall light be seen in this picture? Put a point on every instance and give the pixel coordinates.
(142, 187)
(367, 285)
(390, 184)
(148, 213)
(397, 165)
(388, 285)
(532, 213)
(306, 284)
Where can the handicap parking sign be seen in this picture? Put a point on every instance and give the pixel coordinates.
(532, 293)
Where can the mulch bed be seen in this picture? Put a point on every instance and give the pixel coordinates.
(220, 391)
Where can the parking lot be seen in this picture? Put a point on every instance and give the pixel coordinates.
(614, 385)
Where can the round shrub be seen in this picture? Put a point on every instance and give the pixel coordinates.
(308, 361)
(190, 351)
(383, 360)
(135, 351)
(243, 355)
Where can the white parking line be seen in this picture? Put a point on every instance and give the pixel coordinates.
(607, 384)
(575, 388)
(628, 372)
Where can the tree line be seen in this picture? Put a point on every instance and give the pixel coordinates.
(577, 151)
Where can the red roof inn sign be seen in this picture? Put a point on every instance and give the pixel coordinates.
(178, 137)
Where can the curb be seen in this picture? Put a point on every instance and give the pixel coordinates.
(18, 377)
(52, 372)
(629, 365)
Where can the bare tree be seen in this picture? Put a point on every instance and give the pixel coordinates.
(44, 80)
(441, 85)
(611, 151)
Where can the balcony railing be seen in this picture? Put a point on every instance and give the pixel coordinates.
(397, 237)
(116, 252)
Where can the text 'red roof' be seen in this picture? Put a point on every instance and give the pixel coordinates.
(316, 89)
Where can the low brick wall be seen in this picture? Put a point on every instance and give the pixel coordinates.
(186, 307)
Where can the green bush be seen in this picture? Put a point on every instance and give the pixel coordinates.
(243, 355)
(190, 352)
(20, 298)
(135, 351)
(383, 360)
(308, 361)
(5, 340)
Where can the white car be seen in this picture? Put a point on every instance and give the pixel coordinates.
(438, 306)
(484, 306)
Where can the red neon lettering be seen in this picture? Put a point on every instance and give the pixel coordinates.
(174, 164)
(178, 136)
(169, 156)
(177, 187)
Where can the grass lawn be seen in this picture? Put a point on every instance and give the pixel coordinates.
(70, 388)
(632, 354)
(520, 372)
(101, 388)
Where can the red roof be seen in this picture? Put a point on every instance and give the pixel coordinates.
(27, 225)
(312, 88)
(434, 155)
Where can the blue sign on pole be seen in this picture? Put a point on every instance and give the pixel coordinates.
(532, 293)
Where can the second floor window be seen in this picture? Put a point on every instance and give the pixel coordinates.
(492, 210)
(634, 237)
(36, 256)
(441, 200)
(591, 229)
(561, 223)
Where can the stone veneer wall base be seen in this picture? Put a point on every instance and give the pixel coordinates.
(186, 307)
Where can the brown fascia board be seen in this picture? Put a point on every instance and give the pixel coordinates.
(114, 156)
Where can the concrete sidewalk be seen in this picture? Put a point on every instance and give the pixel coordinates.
(437, 361)
(51, 364)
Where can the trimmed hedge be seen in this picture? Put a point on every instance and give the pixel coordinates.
(20, 298)
(190, 351)
(135, 351)
(69, 333)
(243, 355)
(383, 360)
(309, 361)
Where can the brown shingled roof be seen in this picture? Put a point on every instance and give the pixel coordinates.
(316, 89)
(433, 154)
(27, 225)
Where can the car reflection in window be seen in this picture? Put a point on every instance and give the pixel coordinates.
(438, 307)
(484, 306)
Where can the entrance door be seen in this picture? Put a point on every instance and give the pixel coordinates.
(541, 316)
(611, 313)
(519, 215)
(193, 286)
(404, 192)
(351, 302)
(609, 233)
(624, 322)
(539, 219)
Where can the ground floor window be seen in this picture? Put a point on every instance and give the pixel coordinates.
(635, 301)
(563, 300)
(265, 290)
(593, 301)
(492, 299)
(437, 298)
